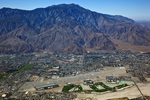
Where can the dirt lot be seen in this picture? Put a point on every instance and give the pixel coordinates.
(46, 79)
(34, 77)
(148, 79)
(136, 79)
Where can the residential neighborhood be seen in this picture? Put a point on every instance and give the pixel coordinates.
(44, 75)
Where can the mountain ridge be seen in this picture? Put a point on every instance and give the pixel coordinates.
(60, 27)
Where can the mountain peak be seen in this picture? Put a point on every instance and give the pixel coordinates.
(65, 6)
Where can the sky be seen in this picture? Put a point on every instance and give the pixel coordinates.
(134, 9)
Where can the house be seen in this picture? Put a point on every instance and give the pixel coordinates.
(88, 81)
(53, 71)
(112, 79)
(56, 67)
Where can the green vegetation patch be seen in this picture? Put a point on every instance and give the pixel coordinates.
(120, 86)
(67, 88)
(4, 75)
(93, 87)
(102, 90)
(26, 67)
(47, 97)
(11, 71)
(50, 65)
(80, 89)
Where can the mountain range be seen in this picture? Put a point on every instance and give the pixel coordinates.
(143, 21)
(67, 28)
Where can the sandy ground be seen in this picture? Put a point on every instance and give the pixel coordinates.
(136, 79)
(130, 93)
(46, 79)
(148, 79)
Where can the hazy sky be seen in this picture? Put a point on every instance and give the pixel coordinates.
(135, 9)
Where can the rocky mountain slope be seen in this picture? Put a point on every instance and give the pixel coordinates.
(66, 28)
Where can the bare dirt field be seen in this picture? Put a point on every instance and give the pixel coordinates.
(46, 79)
(148, 79)
(136, 79)
(34, 77)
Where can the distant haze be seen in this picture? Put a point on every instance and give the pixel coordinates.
(134, 9)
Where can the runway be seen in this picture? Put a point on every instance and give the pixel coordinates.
(70, 79)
